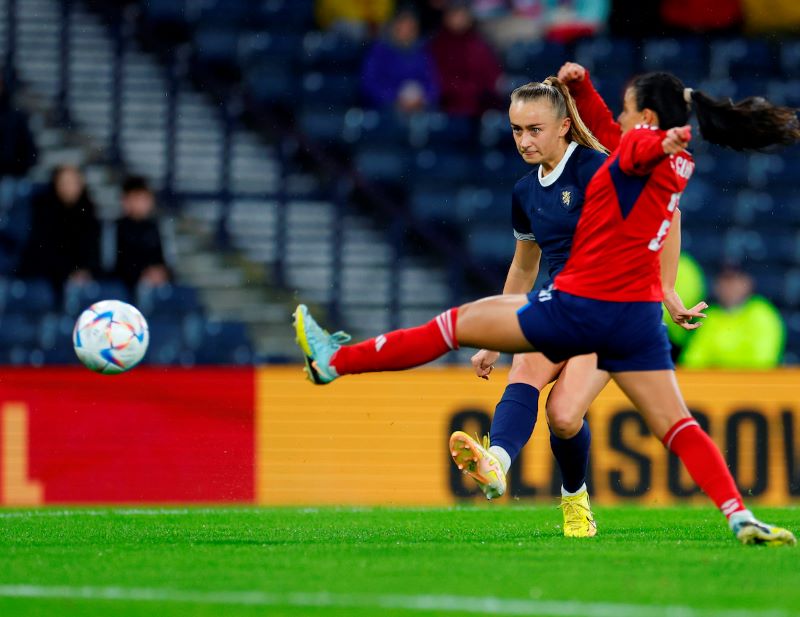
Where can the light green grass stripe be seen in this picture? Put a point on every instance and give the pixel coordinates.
(444, 603)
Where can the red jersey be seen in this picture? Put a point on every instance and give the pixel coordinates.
(626, 216)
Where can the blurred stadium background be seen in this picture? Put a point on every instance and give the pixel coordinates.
(278, 179)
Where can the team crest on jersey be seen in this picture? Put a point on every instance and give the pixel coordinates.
(566, 198)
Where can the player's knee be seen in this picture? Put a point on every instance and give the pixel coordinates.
(565, 421)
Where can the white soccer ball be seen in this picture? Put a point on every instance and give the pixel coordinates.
(110, 337)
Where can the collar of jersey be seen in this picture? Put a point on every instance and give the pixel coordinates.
(556, 173)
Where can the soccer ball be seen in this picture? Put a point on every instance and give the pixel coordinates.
(110, 337)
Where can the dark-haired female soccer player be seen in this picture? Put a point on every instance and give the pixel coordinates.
(546, 204)
(607, 298)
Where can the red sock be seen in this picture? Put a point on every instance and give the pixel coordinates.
(705, 464)
(400, 349)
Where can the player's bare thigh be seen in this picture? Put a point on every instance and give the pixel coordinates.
(492, 323)
(533, 369)
(578, 385)
(656, 395)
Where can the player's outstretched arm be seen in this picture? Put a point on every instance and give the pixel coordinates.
(591, 106)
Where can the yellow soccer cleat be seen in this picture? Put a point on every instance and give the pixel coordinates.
(476, 461)
(578, 517)
(755, 532)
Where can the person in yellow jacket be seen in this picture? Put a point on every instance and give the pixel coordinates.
(743, 331)
(353, 15)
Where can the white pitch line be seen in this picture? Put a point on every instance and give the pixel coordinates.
(112, 511)
(444, 603)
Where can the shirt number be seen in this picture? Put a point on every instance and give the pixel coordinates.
(657, 242)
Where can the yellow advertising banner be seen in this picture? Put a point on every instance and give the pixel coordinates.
(381, 439)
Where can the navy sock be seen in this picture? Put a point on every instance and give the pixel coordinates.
(572, 456)
(514, 418)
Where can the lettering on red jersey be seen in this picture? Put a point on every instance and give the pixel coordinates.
(630, 203)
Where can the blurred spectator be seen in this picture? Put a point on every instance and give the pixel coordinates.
(467, 68)
(398, 71)
(691, 287)
(743, 331)
(17, 148)
(139, 247)
(356, 18)
(569, 20)
(505, 22)
(64, 241)
(702, 16)
(771, 15)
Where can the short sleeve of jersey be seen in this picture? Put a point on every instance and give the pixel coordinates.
(519, 218)
(590, 162)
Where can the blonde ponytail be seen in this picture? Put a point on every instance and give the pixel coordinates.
(578, 131)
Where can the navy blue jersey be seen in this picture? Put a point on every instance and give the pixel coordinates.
(546, 210)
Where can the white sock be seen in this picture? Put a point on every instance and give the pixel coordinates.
(740, 517)
(502, 456)
(566, 493)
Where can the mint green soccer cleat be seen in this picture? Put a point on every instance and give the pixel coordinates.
(753, 531)
(318, 346)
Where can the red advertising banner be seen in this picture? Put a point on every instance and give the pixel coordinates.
(151, 435)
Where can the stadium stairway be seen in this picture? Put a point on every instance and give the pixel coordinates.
(233, 285)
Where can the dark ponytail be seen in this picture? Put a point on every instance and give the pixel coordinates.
(751, 124)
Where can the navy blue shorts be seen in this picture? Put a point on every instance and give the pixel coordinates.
(626, 336)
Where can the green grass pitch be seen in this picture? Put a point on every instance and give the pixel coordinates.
(678, 562)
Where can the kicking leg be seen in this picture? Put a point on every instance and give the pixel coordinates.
(512, 425)
(657, 397)
(491, 323)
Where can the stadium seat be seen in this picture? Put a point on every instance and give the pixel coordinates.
(537, 59)
(444, 164)
(608, 57)
(216, 46)
(784, 92)
(286, 14)
(370, 127)
(330, 51)
(271, 83)
(321, 123)
(224, 342)
(78, 297)
(791, 297)
(686, 57)
(491, 244)
(168, 301)
(165, 11)
(19, 329)
(383, 163)
(502, 167)
(31, 296)
(336, 89)
(790, 58)
(743, 58)
(166, 340)
(434, 203)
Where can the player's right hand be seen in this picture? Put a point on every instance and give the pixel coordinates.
(571, 71)
(483, 362)
(677, 138)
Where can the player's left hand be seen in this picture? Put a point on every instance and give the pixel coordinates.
(681, 315)
(677, 139)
